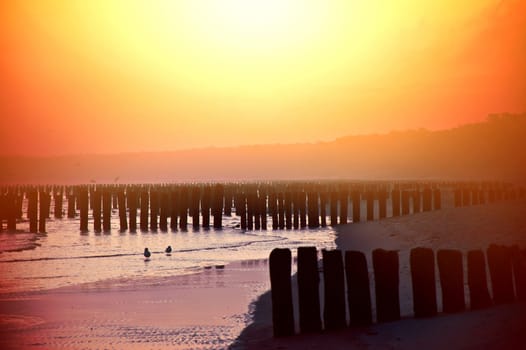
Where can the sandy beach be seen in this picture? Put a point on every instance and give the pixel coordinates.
(180, 312)
(463, 228)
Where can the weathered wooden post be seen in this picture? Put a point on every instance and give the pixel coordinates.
(251, 208)
(281, 292)
(313, 209)
(334, 208)
(382, 203)
(500, 268)
(281, 211)
(395, 201)
(174, 208)
(405, 202)
(477, 281)
(241, 209)
(308, 290)
(437, 199)
(106, 209)
(369, 196)
(10, 210)
(121, 204)
(145, 208)
(358, 292)
(519, 272)
(417, 202)
(334, 281)
(263, 208)
(302, 202)
(43, 212)
(205, 205)
(323, 208)
(273, 208)
(228, 202)
(96, 202)
(194, 207)
(164, 211)
(57, 199)
(386, 279)
(427, 199)
(183, 208)
(32, 210)
(458, 197)
(288, 210)
(422, 262)
(466, 196)
(217, 208)
(154, 208)
(71, 206)
(344, 205)
(451, 280)
(83, 206)
(131, 198)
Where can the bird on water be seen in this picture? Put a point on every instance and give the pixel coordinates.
(168, 249)
(147, 253)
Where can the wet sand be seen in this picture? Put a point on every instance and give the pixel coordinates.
(457, 228)
(206, 310)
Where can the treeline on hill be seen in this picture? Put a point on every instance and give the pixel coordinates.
(494, 149)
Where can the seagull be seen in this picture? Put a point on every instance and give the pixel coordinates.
(147, 253)
(168, 249)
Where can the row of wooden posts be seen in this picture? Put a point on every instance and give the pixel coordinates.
(290, 205)
(507, 267)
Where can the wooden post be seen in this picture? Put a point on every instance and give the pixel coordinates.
(288, 210)
(154, 208)
(344, 205)
(422, 262)
(43, 211)
(96, 200)
(241, 209)
(281, 211)
(369, 195)
(32, 211)
(205, 205)
(395, 201)
(437, 199)
(83, 206)
(164, 211)
(11, 210)
(228, 203)
(477, 281)
(313, 210)
(217, 206)
(382, 203)
(183, 208)
(358, 292)
(121, 203)
(251, 208)
(334, 309)
(417, 201)
(386, 279)
(308, 290)
(451, 280)
(174, 208)
(273, 207)
(323, 208)
(302, 199)
(106, 209)
(405, 202)
(281, 292)
(458, 197)
(500, 268)
(427, 199)
(263, 209)
(334, 208)
(71, 206)
(519, 272)
(131, 197)
(57, 198)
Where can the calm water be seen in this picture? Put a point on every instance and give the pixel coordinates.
(67, 257)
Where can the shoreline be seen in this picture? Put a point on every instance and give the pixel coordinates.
(464, 228)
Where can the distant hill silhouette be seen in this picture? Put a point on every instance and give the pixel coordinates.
(494, 149)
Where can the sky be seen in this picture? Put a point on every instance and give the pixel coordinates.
(110, 76)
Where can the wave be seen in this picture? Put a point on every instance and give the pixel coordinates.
(117, 255)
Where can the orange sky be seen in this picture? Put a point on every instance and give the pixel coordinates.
(106, 76)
